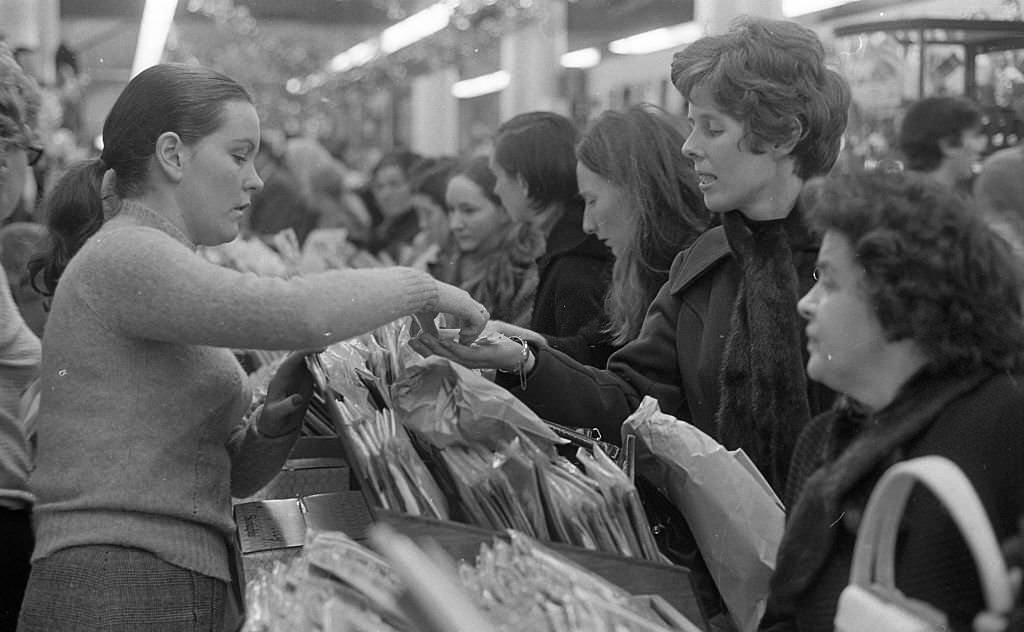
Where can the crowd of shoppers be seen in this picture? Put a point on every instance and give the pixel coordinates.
(827, 325)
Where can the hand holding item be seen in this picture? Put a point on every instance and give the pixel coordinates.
(288, 396)
(491, 352)
(514, 331)
(471, 315)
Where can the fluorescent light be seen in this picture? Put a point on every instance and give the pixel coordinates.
(157, 17)
(658, 39)
(416, 27)
(484, 84)
(793, 8)
(358, 55)
(396, 37)
(582, 58)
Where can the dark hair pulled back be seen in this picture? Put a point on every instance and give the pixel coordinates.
(186, 100)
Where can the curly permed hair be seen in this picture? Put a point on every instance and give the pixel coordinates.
(935, 272)
(771, 75)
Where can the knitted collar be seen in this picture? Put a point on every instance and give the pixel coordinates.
(142, 215)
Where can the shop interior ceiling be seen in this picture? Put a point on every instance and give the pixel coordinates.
(103, 32)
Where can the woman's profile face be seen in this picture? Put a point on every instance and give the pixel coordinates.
(730, 175)
(476, 222)
(845, 340)
(512, 192)
(219, 176)
(391, 191)
(607, 213)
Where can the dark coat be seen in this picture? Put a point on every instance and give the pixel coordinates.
(676, 358)
(392, 235)
(574, 271)
(981, 432)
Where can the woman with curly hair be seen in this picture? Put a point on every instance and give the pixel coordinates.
(720, 345)
(915, 319)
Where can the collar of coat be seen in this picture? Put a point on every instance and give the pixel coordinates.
(712, 247)
(567, 236)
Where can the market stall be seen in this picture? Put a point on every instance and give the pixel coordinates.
(439, 453)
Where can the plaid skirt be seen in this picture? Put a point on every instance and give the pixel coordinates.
(101, 587)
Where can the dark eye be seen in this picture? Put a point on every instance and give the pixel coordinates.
(816, 274)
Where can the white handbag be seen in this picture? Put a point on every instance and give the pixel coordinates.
(871, 602)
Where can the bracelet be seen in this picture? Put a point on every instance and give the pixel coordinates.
(521, 367)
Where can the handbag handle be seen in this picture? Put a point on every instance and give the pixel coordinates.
(876, 539)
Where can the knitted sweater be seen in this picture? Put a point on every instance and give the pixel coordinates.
(19, 364)
(141, 439)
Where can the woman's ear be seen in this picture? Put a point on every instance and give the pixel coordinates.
(170, 158)
(948, 146)
(785, 148)
(523, 185)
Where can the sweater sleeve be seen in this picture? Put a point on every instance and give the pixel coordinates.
(151, 286)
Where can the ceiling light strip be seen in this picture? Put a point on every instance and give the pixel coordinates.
(481, 85)
(157, 17)
(658, 39)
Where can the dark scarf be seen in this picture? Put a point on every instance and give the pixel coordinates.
(857, 449)
(762, 387)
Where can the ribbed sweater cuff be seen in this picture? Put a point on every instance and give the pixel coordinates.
(421, 291)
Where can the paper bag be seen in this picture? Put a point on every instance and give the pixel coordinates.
(736, 518)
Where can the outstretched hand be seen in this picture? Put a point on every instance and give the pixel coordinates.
(508, 329)
(288, 396)
(493, 352)
(470, 317)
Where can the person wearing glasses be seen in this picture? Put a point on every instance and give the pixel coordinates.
(19, 347)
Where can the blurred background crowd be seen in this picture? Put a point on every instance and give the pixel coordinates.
(367, 106)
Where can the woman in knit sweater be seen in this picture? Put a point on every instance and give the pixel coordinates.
(141, 436)
(915, 319)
